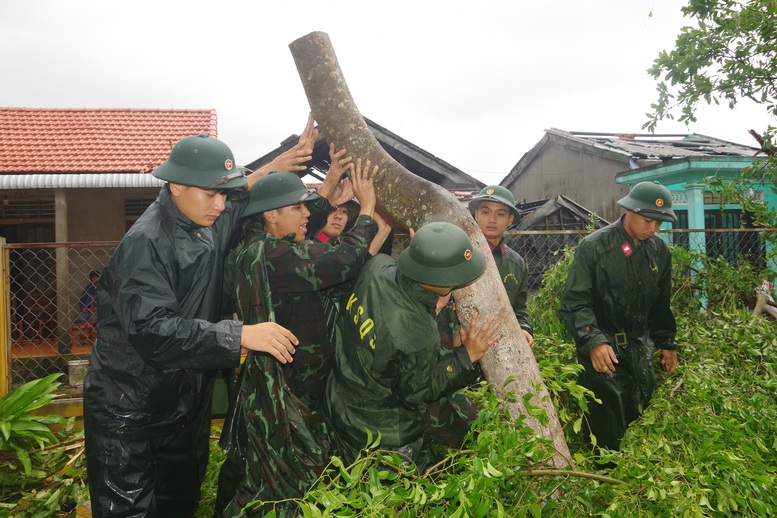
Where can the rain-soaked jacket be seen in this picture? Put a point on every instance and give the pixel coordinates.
(157, 350)
(618, 292)
(515, 277)
(391, 365)
(286, 443)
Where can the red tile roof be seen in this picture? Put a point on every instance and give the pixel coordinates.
(42, 140)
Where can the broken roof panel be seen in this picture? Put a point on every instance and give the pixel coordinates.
(666, 147)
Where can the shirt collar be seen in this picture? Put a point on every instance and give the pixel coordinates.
(499, 249)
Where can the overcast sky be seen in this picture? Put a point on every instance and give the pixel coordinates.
(475, 83)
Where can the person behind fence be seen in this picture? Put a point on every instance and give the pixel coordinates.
(286, 440)
(147, 394)
(87, 302)
(390, 367)
(616, 305)
(494, 210)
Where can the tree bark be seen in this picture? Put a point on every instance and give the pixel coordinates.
(408, 201)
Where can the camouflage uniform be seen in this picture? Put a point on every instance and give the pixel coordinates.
(515, 277)
(273, 422)
(618, 292)
(330, 303)
(391, 365)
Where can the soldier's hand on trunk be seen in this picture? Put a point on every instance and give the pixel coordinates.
(477, 341)
(363, 186)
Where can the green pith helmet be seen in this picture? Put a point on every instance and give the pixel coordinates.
(441, 254)
(650, 199)
(204, 162)
(496, 194)
(277, 190)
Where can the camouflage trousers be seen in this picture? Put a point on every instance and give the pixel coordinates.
(276, 445)
(448, 421)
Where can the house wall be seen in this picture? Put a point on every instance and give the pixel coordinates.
(94, 215)
(584, 177)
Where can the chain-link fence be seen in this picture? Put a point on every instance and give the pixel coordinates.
(540, 248)
(51, 332)
(52, 308)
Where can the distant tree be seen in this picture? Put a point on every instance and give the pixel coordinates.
(729, 55)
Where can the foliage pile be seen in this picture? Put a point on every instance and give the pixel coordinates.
(706, 446)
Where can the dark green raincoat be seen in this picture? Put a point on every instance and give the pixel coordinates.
(391, 365)
(284, 444)
(150, 381)
(618, 292)
(515, 277)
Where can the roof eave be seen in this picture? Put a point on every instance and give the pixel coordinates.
(78, 181)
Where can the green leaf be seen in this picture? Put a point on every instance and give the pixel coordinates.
(24, 458)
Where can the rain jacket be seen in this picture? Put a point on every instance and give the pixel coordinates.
(515, 277)
(157, 348)
(154, 362)
(391, 364)
(618, 292)
(285, 444)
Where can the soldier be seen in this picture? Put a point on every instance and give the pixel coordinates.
(278, 275)
(339, 220)
(616, 306)
(494, 211)
(391, 365)
(148, 391)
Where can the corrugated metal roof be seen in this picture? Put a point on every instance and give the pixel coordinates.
(666, 147)
(78, 181)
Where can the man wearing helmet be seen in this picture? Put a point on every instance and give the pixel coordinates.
(494, 211)
(390, 365)
(147, 394)
(616, 305)
(276, 274)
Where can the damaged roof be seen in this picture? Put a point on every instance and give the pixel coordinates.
(413, 158)
(538, 215)
(633, 150)
(663, 147)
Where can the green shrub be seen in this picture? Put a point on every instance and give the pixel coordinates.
(703, 284)
(706, 446)
(41, 473)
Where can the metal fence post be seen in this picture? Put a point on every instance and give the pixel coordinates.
(5, 320)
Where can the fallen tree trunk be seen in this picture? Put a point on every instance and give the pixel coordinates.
(408, 201)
